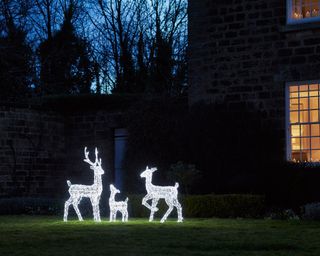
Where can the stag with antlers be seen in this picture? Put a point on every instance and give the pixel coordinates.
(93, 192)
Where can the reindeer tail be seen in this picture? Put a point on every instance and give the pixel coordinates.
(69, 183)
(176, 185)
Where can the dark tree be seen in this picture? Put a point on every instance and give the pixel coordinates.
(66, 67)
(142, 69)
(15, 61)
(161, 69)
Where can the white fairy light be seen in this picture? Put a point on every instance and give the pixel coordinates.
(154, 193)
(93, 192)
(115, 206)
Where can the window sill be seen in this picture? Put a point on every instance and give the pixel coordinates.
(300, 27)
(304, 164)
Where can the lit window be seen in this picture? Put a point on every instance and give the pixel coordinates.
(300, 11)
(304, 122)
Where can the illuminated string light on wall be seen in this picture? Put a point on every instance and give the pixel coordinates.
(154, 193)
(115, 206)
(93, 192)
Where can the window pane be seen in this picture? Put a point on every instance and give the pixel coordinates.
(294, 117)
(294, 104)
(314, 115)
(315, 130)
(305, 130)
(295, 131)
(304, 103)
(304, 94)
(315, 8)
(304, 9)
(294, 88)
(295, 143)
(313, 87)
(314, 103)
(313, 93)
(315, 143)
(294, 95)
(304, 88)
(315, 155)
(301, 156)
(305, 143)
(296, 156)
(304, 116)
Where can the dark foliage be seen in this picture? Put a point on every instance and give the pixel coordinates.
(204, 206)
(16, 69)
(66, 67)
(207, 206)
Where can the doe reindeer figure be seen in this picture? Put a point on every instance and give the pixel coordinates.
(154, 193)
(93, 192)
(115, 206)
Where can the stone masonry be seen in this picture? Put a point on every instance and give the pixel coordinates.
(242, 53)
(40, 150)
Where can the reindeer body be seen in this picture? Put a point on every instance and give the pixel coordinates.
(115, 206)
(93, 192)
(155, 193)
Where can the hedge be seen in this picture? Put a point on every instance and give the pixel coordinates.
(194, 206)
(208, 206)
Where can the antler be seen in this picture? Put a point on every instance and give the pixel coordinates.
(86, 154)
(98, 160)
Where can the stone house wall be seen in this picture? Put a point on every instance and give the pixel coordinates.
(242, 53)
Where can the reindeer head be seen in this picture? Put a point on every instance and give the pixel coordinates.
(148, 172)
(113, 189)
(96, 166)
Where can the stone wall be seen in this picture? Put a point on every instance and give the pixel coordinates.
(41, 149)
(242, 53)
(31, 153)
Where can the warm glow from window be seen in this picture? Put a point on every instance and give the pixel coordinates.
(304, 9)
(304, 122)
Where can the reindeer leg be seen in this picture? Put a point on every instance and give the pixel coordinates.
(179, 209)
(153, 208)
(122, 216)
(165, 216)
(96, 210)
(66, 209)
(110, 217)
(93, 209)
(75, 204)
(144, 201)
(127, 215)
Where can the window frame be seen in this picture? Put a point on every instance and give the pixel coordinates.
(287, 115)
(291, 21)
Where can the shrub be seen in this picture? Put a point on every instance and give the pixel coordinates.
(186, 174)
(280, 214)
(32, 206)
(207, 206)
(196, 206)
(311, 211)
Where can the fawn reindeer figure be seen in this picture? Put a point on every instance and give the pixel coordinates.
(93, 192)
(121, 206)
(154, 193)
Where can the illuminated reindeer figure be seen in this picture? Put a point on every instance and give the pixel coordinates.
(93, 192)
(115, 206)
(154, 193)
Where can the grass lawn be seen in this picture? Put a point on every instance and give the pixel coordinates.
(25, 235)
